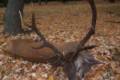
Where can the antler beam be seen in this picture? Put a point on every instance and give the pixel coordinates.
(91, 30)
(45, 42)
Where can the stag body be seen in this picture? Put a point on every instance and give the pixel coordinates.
(75, 69)
(28, 49)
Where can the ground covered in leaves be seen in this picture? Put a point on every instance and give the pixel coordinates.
(65, 23)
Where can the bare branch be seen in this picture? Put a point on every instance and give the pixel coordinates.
(21, 18)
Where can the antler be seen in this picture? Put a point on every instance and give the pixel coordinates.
(91, 30)
(93, 24)
(45, 42)
(81, 43)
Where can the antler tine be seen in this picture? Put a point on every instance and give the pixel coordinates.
(91, 30)
(35, 28)
(93, 24)
(45, 42)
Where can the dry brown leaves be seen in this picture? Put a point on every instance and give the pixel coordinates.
(65, 23)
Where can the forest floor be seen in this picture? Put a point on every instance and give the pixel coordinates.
(65, 23)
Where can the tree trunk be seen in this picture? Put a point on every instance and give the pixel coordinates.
(12, 17)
